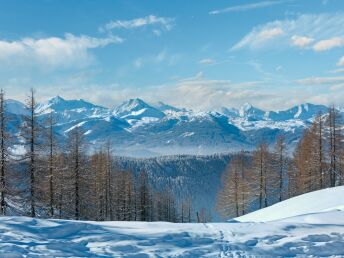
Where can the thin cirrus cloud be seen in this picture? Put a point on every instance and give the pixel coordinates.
(327, 44)
(340, 70)
(259, 38)
(334, 84)
(209, 93)
(247, 7)
(207, 61)
(318, 32)
(301, 41)
(165, 23)
(53, 52)
(321, 80)
(341, 62)
(212, 94)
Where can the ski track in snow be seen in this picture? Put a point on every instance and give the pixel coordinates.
(26, 237)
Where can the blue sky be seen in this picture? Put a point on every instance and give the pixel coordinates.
(199, 54)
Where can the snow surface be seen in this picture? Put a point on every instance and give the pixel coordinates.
(26, 237)
(313, 202)
(316, 234)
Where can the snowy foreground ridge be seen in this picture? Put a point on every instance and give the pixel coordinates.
(314, 202)
(314, 233)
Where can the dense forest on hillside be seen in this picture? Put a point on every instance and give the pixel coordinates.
(54, 179)
(269, 175)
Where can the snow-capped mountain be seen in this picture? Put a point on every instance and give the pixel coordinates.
(167, 108)
(302, 112)
(251, 113)
(141, 129)
(15, 107)
(137, 111)
(70, 110)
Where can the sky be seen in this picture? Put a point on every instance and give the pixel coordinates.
(198, 54)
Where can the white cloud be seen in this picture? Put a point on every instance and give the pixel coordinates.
(162, 58)
(339, 86)
(327, 44)
(258, 38)
(301, 41)
(209, 93)
(247, 7)
(166, 57)
(207, 61)
(302, 31)
(341, 70)
(341, 61)
(165, 23)
(270, 33)
(268, 95)
(206, 93)
(54, 51)
(321, 80)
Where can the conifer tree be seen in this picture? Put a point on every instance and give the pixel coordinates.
(335, 145)
(76, 151)
(281, 164)
(52, 145)
(260, 173)
(233, 198)
(30, 132)
(108, 182)
(144, 197)
(4, 154)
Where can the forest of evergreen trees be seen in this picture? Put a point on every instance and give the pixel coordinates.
(270, 174)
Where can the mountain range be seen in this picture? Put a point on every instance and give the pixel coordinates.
(137, 128)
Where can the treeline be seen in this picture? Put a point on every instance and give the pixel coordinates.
(270, 174)
(66, 181)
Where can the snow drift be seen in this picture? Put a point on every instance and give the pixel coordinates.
(311, 225)
(314, 202)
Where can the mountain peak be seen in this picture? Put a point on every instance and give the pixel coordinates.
(247, 106)
(131, 104)
(137, 101)
(60, 104)
(166, 107)
(250, 112)
(136, 108)
(55, 100)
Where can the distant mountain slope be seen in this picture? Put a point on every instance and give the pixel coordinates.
(197, 177)
(137, 128)
(136, 110)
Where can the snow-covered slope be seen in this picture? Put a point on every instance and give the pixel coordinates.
(71, 110)
(314, 202)
(15, 107)
(136, 110)
(310, 225)
(313, 235)
(167, 108)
